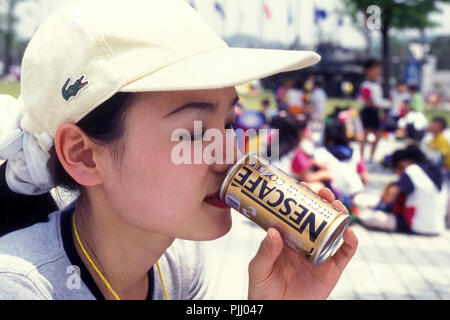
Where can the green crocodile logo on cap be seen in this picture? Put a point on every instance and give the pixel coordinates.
(73, 89)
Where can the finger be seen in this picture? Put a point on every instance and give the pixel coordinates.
(347, 250)
(326, 194)
(340, 206)
(261, 265)
(306, 185)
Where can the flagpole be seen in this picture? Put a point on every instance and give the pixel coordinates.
(224, 19)
(297, 21)
(240, 17)
(261, 20)
(288, 7)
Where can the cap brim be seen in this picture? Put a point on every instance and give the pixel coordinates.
(223, 67)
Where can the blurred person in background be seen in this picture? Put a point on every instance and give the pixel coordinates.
(400, 96)
(293, 159)
(318, 100)
(281, 94)
(294, 98)
(414, 125)
(348, 170)
(372, 101)
(416, 202)
(267, 111)
(439, 142)
(417, 102)
(346, 166)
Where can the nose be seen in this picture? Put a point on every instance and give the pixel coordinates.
(230, 153)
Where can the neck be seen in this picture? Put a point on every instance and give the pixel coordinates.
(124, 254)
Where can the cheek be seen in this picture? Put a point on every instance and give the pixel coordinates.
(151, 192)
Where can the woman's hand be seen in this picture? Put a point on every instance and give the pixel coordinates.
(277, 272)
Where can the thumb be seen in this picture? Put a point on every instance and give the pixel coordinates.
(261, 265)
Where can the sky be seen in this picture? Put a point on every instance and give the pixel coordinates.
(244, 16)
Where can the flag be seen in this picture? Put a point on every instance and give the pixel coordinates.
(219, 9)
(290, 18)
(319, 14)
(267, 11)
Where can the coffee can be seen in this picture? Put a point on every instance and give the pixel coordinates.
(270, 197)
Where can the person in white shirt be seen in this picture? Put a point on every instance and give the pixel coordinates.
(294, 98)
(414, 124)
(416, 203)
(318, 100)
(371, 99)
(340, 159)
(400, 96)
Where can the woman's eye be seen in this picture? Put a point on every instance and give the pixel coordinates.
(229, 125)
(197, 137)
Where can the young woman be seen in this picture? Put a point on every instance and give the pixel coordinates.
(101, 99)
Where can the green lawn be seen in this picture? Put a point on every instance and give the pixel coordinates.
(254, 102)
(11, 88)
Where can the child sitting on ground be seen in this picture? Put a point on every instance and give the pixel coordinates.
(416, 203)
(346, 166)
(293, 159)
(439, 143)
(414, 125)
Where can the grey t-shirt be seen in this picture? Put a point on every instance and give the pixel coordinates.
(40, 262)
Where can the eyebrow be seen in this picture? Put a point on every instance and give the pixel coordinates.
(201, 106)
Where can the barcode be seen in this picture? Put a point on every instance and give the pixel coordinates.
(232, 202)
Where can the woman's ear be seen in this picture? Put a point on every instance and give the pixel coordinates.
(76, 153)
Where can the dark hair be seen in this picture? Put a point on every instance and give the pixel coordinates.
(335, 133)
(298, 84)
(265, 101)
(441, 121)
(370, 63)
(289, 132)
(411, 153)
(413, 87)
(319, 82)
(104, 125)
(15, 208)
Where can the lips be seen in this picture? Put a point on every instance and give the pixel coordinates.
(215, 201)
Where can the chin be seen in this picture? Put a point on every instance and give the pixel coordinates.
(217, 227)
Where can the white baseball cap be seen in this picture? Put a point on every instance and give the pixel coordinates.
(88, 50)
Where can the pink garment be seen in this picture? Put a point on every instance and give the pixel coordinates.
(281, 92)
(345, 116)
(301, 162)
(361, 167)
(366, 93)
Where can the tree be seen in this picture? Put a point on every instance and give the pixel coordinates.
(440, 47)
(395, 14)
(358, 22)
(7, 30)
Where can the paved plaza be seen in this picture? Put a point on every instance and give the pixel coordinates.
(385, 266)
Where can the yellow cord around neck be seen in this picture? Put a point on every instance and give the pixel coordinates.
(98, 271)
